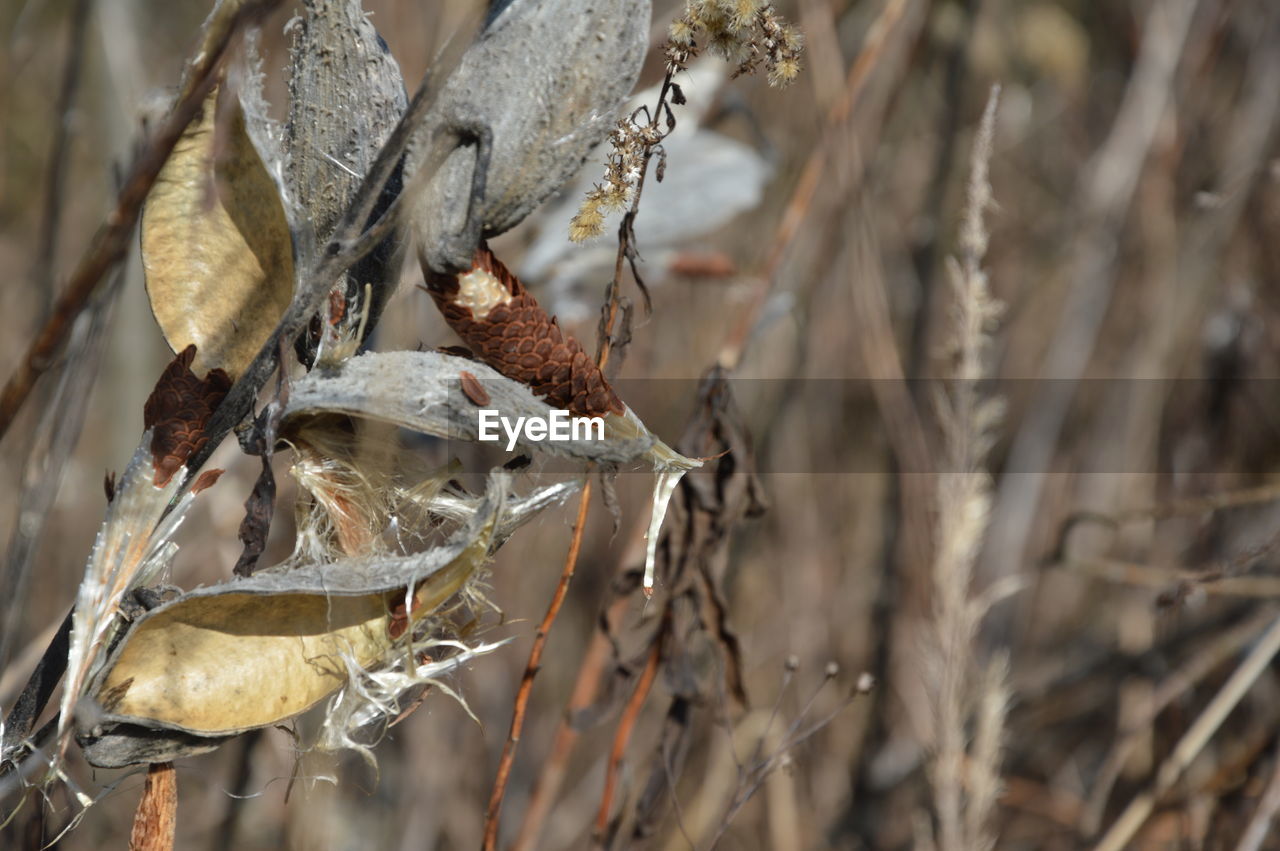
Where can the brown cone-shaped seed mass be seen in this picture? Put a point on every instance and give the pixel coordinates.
(519, 340)
(178, 410)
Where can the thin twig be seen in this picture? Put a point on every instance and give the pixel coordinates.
(48, 452)
(56, 175)
(807, 186)
(551, 775)
(1220, 648)
(531, 671)
(1193, 741)
(1259, 827)
(111, 242)
(626, 725)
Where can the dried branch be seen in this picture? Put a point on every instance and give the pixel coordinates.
(156, 821)
(494, 810)
(1193, 740)
(626, 725)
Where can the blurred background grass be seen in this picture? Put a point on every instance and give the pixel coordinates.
(1182, 280)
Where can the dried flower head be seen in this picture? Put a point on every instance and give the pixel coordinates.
(630, 142)
(748, 33)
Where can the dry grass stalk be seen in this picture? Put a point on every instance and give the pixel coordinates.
(965, 772)
(1193, 741)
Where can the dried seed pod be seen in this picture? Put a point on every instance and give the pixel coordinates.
(507, 329)
(216, 247)
(546, 78)
(227, 658)
(178, 410)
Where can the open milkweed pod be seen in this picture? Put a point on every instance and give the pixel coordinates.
(135, 544)
(240, 655)
(346, 94)
(545, 78)
(422, 391)
(492, 312)
(217, 252)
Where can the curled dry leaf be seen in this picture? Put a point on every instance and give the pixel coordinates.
(547, 79)
(216, 247)
(177, 411)
(232, 657)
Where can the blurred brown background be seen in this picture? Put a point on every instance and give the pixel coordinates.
(1135, 238)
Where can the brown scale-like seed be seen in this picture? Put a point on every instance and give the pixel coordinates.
(473, 389)
(518, 339)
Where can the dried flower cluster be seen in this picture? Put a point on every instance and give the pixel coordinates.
(630, 142)
(749, 33)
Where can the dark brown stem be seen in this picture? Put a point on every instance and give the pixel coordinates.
(551, 775)
(625, 231)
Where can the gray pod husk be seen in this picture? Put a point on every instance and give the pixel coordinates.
(547, 77)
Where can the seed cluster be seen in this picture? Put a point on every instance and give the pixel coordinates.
(178, 409)
(519, 339)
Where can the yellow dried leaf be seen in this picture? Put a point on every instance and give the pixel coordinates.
(216, 247)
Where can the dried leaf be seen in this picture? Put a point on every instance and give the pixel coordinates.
(177, 411)
(258, 509)
(216, 247)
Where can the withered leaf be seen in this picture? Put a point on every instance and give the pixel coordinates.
(216, 248)
(258, 509)
(177, 410)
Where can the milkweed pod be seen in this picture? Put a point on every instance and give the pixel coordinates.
(216, 248)
(245, 654)
(547, 78)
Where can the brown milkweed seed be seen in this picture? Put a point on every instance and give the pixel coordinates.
(473, 390)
